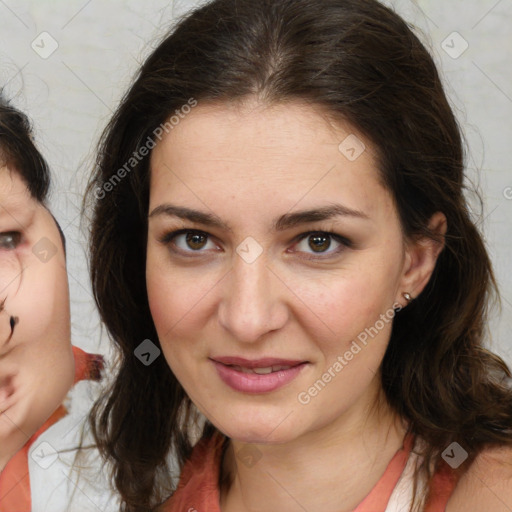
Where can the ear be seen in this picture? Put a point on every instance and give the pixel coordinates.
(420, 259)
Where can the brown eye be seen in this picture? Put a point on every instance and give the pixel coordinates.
(10, 240)
(320, 241)
(193, 240)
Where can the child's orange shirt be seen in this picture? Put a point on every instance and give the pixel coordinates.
(14, 479)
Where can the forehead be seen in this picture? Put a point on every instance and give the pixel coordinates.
(264, 154)
(12, 187)
(285, 132)
(18, 205)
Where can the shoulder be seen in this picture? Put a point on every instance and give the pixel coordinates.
(487, 484)
(199, 477)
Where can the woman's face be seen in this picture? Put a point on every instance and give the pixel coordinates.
(244, 279)
(36, 358)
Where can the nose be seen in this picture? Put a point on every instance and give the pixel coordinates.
(253, 301)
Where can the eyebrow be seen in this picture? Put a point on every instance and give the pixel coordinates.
(286, 221)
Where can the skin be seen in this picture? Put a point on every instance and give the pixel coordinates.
(248, 165)
(487, 485)
(36, 363)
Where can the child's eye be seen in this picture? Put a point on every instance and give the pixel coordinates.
(196, 240)
(10, 240)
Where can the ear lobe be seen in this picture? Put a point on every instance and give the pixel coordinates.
(421, 257)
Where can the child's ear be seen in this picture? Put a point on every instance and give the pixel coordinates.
(421, 256)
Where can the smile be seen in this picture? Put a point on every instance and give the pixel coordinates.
(260, 371)
(257, 379)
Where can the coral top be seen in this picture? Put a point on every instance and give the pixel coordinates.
(14, 479)
(198, 487)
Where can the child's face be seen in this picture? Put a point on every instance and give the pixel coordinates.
(36, 358)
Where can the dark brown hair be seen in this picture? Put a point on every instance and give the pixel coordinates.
(19, 153)
(363, 64)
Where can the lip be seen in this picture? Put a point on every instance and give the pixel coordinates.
(255, 383)
(257, 363)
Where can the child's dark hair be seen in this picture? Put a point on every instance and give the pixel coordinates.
(19, 153)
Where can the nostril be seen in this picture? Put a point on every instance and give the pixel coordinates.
(13, 321)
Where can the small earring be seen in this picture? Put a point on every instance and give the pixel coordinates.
(407, 296)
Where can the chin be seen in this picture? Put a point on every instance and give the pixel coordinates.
(260, 431)
(262, 437)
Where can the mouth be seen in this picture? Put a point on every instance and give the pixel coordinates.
(264, 362)
(257, 376)
(265, 370)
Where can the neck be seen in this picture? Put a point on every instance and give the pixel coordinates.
(331, 469)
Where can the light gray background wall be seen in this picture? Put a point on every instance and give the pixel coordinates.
(71, 94)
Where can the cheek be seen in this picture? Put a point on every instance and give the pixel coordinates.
(177, 295)
(169, 314)
(42, 353)
(344, 320)
(10, 273)
(42, 304)
(162, 297)
(344, 304)
(169, 304)
(182, 308)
